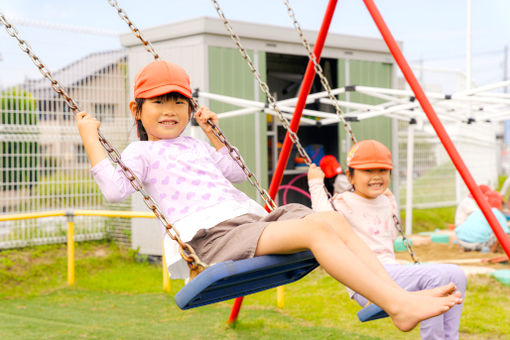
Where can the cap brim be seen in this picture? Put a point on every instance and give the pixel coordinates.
(366, 166)
(163, 89)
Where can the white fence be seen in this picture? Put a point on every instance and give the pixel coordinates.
(43, 165)
(435, 182)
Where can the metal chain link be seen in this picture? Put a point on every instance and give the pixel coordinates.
(236, 156)
(190, 257)
(339, 112)
(405, 240)
(123, 15)
(265, 88)
(320, 73)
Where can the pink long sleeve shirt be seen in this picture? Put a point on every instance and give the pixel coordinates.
(371, 219)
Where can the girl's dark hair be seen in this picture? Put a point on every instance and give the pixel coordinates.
(142, 133)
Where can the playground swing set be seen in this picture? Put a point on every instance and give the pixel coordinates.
(235, 279)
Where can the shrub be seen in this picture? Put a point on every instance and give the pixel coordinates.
(19, 157)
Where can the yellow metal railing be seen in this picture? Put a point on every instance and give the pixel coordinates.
(70, 214)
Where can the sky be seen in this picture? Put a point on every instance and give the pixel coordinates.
(433, 32)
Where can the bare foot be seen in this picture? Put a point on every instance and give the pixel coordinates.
(438, 291)
(414, 308)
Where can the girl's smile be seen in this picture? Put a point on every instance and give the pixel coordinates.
(370, 183)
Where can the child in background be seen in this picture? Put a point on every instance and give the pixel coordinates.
(468, 205)
(369, 207)
(333, 172)
(475, 233)
(191, 181)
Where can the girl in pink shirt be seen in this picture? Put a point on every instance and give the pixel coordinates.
(369, 207)
(191, 180)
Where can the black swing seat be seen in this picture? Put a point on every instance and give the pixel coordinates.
(231, 279)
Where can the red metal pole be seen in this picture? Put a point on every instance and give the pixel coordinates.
(306, 85)
(438, 126)
(235, 310)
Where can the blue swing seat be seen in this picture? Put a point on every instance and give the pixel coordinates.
(371, 312)
(231, 279)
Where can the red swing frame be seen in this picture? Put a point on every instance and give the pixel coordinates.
(424, 103)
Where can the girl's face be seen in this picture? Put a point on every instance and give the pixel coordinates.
(370, 183)
(163, 118)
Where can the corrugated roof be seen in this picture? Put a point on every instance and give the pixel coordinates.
(80, 70)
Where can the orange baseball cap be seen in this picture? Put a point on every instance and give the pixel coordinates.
(330, 166)
(161, 77)
(495, 199)
(369, 154)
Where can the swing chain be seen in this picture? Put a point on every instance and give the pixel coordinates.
(123, 15)
(191, 257)
(339, 112)
(236, 156)
(263, 85)
(320, 72)
(405, 240)
(265, 88)
(25, 47)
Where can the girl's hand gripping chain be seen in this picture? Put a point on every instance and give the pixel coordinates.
(315, 172)
(202, 115)
(88, 127)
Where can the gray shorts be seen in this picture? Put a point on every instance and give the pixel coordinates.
(238, 237)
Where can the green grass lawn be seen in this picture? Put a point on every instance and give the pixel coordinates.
(116, 297)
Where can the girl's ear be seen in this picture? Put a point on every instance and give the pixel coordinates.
(133, 108)
(348, 174)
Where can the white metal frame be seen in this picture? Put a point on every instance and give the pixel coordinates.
(466, 106)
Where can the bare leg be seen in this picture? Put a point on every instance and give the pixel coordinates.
(315, 233)
(355, 244)
(365, 254)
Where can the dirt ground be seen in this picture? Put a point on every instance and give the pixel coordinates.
(453, 253)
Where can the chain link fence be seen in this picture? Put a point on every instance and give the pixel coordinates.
(43, 165)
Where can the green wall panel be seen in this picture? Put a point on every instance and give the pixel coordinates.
(230, 75)
(367, 73)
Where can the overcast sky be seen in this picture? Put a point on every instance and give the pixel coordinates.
(431, 30)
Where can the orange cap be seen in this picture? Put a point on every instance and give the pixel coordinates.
(485, 189)
(161, 77)
(330, 166)
(495, 199)
(369, 154)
